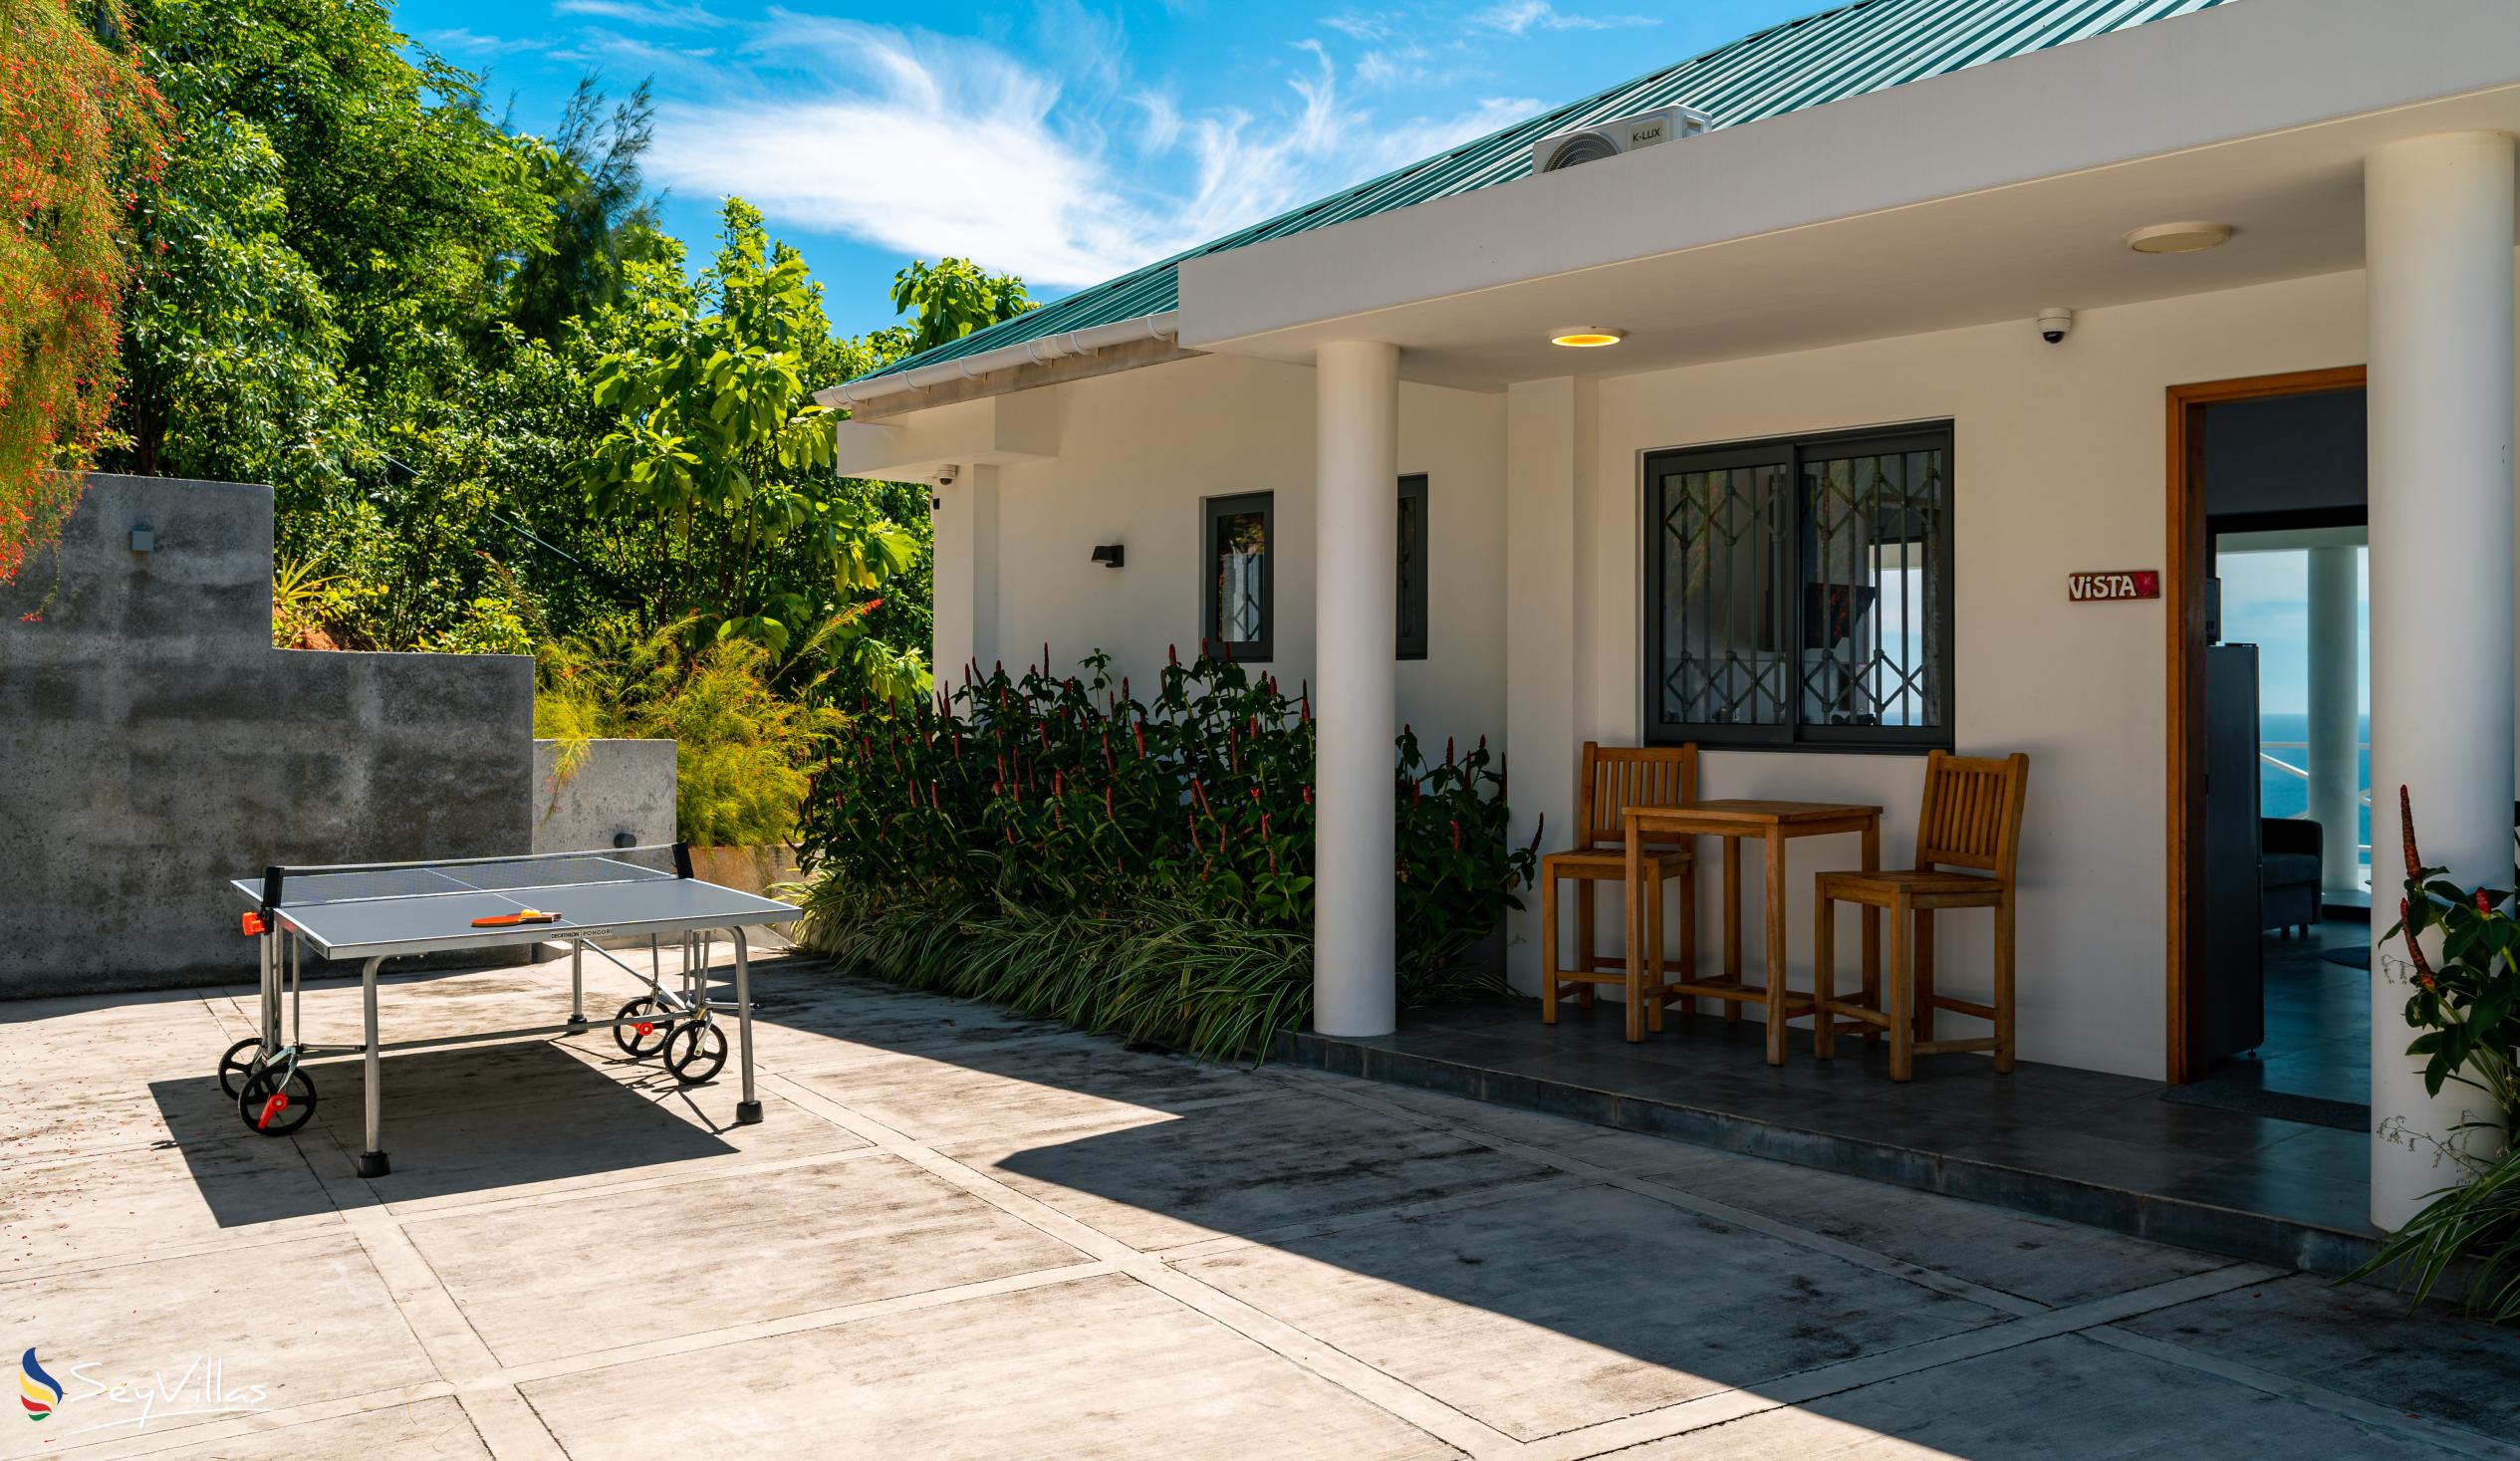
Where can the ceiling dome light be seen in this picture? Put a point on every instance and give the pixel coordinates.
(1587, 339)
(2179, 238)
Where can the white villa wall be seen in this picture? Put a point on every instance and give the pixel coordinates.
(1536, 608)
(2058, 466)
(1137, 454)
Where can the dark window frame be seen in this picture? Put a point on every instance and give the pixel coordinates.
(1211, 510)
(1793, 734)
(1412, 645)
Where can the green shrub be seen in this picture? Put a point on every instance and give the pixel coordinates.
(1138, 866)
(742, 752)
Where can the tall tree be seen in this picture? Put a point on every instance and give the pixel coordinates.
(951, 298)
(602, 216)
(319, 238)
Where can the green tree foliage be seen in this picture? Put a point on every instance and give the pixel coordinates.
(720, 451)
(317, 248)
(951, 298)
(81, 127)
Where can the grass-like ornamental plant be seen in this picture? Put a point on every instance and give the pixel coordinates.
(1144, 866)
(2465, 1006)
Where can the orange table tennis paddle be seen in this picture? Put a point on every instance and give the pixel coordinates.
(510, 920)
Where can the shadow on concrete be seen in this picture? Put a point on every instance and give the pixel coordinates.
(458, 1120)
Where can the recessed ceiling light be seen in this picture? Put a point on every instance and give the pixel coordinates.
(1587, 339)
(2179, 238)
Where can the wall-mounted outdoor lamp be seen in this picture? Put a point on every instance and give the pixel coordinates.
(1110, 555)
(143, 538)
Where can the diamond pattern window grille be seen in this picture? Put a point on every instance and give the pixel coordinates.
(1799, 591)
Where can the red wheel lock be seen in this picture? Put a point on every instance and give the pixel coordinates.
(279, 1103)
(644, 1029)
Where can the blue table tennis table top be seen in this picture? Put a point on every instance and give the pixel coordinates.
(384, 912)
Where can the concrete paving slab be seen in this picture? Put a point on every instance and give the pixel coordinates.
(2060, 1399)
(2361, 1342)
(154, 1202)
(1285, 1157)
(1039, 1084)
(502, 1153)
(696, 1256)
(306, 1322)
(2041, 1259)
(435, 1429)
(1567, 1308)
(1102, 1369)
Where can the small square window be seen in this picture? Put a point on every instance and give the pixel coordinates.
(1237, 613)
(1800, 592)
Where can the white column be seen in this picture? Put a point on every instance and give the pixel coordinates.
(2437, 242)
(1540, 639)
(2335, 759)
(1356, 551)
(965, 573)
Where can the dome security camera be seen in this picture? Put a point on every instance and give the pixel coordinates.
(2055, 322)
(945, 474)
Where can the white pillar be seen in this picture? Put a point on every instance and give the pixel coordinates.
(2335, 759)
(1356, 553)
(1541, 587)
(2437, 242)
(964, 572)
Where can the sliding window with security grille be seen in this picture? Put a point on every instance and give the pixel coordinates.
(1798, 592)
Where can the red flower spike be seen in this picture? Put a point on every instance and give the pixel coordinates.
(1308, 794)
(1456, 835)
(1172, 652)
(2484, 901)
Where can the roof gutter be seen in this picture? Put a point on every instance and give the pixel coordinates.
(1086, 341)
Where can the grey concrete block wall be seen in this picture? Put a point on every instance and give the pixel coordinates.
(621, 786)
(152, 744)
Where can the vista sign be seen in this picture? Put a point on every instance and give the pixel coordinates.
(2115, 583)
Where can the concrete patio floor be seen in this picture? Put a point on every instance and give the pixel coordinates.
(963, 1234)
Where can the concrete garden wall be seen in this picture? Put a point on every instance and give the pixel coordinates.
(153, 745)
(621, 786)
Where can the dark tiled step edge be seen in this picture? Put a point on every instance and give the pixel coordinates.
(2254, 1236)
(2281, 1105)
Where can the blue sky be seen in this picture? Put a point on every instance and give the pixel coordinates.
(1063, 140)
(2266, 602)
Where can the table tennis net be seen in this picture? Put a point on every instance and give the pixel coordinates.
(559, 870)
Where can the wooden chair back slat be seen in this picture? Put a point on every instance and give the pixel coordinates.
(1616, 778)
(1971, 816)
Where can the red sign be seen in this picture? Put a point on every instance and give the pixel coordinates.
(2118, 584)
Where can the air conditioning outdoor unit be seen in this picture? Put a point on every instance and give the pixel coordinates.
(1609, 138)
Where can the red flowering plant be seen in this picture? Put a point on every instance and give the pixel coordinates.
(79, 127)
(1055, 840)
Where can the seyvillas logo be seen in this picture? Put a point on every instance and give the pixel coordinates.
(38, 1391)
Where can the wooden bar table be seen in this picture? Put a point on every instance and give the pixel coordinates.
(1773, 823)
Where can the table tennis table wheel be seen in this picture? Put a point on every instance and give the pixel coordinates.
(272, 1107)
(237, 1064)
(695, 1051)
(647, 1037)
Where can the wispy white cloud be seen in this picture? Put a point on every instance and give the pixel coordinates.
(927, 145)
(1515, 17)
(663, 14)
(468, 44)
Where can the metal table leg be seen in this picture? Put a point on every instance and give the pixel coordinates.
(268, 947)
(578, 982)
(748, 1109)
(372, 1163)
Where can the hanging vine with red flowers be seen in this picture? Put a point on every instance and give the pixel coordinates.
(80, 126)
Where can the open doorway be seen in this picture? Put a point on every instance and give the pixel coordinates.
(2270, 748)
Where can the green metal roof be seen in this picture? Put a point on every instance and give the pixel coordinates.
(1865, 45)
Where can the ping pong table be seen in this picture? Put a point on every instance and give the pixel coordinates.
(375, 911)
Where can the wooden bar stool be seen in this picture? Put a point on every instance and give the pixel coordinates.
(1971, 819)
(1614, 777)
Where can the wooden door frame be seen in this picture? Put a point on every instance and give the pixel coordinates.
(2183, 593)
